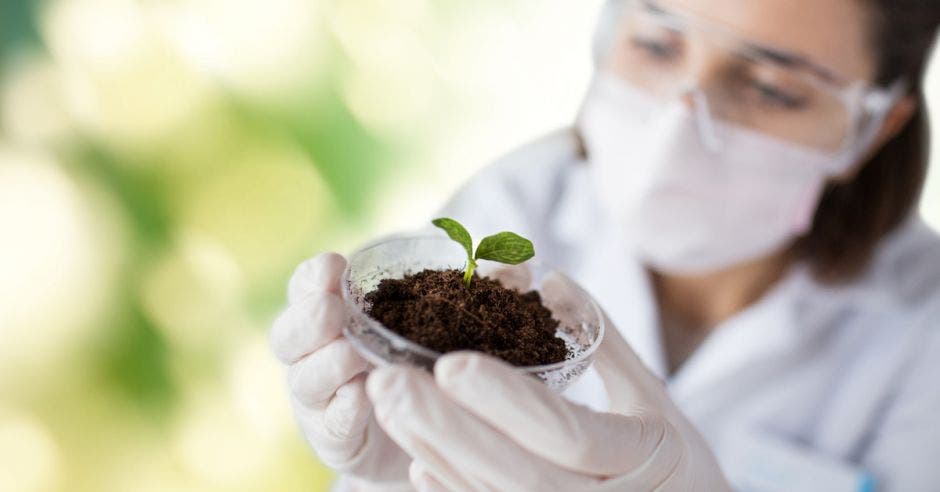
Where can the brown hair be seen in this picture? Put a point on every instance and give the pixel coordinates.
(854, 216)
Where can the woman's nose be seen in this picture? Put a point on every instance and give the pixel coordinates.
(704, 68)
(699, 92)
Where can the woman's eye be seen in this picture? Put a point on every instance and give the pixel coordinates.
(776, 96)
(657, 49)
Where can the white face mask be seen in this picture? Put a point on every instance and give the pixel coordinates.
(688, 204)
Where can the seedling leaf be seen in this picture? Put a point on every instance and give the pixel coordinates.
(457, 233)
(505, 247)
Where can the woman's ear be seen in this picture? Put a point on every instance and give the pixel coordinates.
(897, 119)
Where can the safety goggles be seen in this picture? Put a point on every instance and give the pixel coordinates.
(661, 50)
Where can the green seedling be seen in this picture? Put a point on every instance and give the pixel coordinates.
(504, 247)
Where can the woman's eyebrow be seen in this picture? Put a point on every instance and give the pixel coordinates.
(791, 60)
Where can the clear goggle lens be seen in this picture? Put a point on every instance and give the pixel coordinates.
(665, 53)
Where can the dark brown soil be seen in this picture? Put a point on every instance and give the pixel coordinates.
(435, 309)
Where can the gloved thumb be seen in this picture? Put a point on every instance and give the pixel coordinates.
(630, 384)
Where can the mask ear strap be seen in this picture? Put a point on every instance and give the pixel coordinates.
(878, 104)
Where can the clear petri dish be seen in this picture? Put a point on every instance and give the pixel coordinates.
(581, 324)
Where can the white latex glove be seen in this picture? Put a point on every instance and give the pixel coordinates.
(326, 378)
(477, 424)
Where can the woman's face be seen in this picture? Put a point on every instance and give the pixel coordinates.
(781, 67)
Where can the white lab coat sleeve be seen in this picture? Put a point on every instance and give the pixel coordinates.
(903, 454)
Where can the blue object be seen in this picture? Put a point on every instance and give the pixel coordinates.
(867, 483)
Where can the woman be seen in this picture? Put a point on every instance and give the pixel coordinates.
(739, 194)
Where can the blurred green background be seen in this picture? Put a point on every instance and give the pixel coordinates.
(164, 164)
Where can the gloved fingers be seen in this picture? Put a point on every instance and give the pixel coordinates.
(517, 277)
(314, 379)
(451, 477)
(423, 479)
(320, 273)
(347, 438)
(337, 446)
(447, 475)
(337, 430)
(545, 423)
(348, 411)
(463, 451)
(356, 484)
(307, 325)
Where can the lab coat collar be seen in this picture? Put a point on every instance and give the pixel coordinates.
(771, 325)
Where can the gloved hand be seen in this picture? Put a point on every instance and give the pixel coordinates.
(326, 378)
(478, 424)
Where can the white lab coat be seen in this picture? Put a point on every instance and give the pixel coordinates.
(810, 388)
